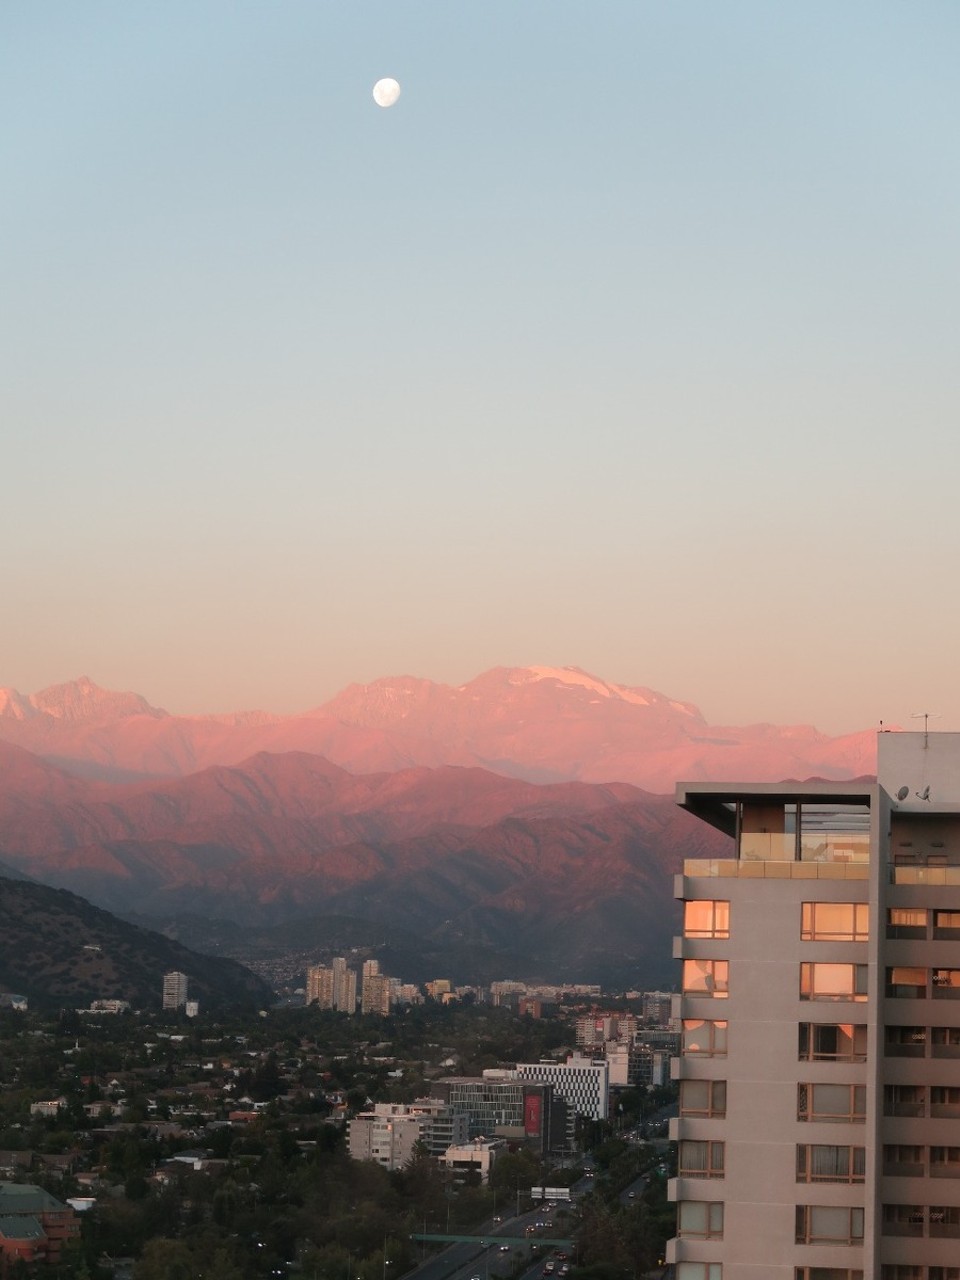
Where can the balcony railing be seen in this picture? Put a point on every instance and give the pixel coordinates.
(731, 868)
(925, 875)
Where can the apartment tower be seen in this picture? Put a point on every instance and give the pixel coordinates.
(819, 1125)
(174, 989)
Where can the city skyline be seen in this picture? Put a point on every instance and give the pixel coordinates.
(624, 340)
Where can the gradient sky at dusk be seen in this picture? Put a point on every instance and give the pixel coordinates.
(627, 339)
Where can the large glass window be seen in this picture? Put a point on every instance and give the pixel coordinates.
(906, 982)
(944, 1221)
(829, 1224)
(705, 978)
(700, 1159)
(904, 1100)
(903, 1219)
(836, 1103)
(905, 1042)
(833, 1042)
(945, 1162)
(821, 981)
(944, 1102)
(817, 1163)
(700, 1219)
(906, 922)
(834, 922)
(828, 1273)
(704, 1038)
(903, 1161)
(946, 984)
(946, 924)
(915, 1271)
(706, 919)
(945, 1042)
(707, 1098)
(699, 1271)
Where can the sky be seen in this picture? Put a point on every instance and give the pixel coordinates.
(627, 339)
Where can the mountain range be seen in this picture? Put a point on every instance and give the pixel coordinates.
(546, 858)
(545, 724)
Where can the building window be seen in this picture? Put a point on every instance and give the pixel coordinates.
(706, 919)
(832, 1103)
(829, 1224)
(821, 981)
(906, 982)
(904, 1100)
(834, 922)
(945, 1042)
(833, 1042)
(945, 1162)
(946, 984)
(943, 1273)
(700, 1159)
(830, 1164)
(828, 1273)
(906, 922)
(700, 1219)
(903, 1219)
(699, 1271)
(707, 1098)
(943, 1221)
(903, 1271)
(704, 1038)
(705, 978)
(900, 1161)
(905, 1042)
(944, 1102)
(946, 924)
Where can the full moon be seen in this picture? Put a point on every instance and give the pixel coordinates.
(386, 92)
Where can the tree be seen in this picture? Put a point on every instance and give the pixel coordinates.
(165, 1260)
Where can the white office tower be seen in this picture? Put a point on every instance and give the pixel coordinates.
(819, 1126)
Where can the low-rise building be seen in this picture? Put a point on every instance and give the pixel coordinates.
(34, 1225)
(477, 1156)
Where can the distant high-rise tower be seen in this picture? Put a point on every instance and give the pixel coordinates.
(174, 989)
(377, 994)
(333, 988)
(344, 986)
(320, 986)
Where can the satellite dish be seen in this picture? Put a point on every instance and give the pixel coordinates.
(924, 794)
(903, 793)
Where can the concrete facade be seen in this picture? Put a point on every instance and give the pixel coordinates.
(819, 1127)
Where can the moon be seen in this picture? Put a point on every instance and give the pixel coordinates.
(386, 92)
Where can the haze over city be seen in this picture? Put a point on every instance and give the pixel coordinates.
(626, 339)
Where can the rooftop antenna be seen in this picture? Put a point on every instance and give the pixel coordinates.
(925, 716)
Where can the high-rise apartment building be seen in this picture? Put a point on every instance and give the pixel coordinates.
(174, 990)
(819, 1126)
(334, 987)
(320, 986)
(344, 986)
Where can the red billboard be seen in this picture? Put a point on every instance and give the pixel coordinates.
(532, 1114)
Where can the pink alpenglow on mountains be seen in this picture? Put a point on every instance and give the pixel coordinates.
(542, 724)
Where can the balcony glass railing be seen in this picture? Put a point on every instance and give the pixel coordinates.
(925, 875)
(730, 868)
